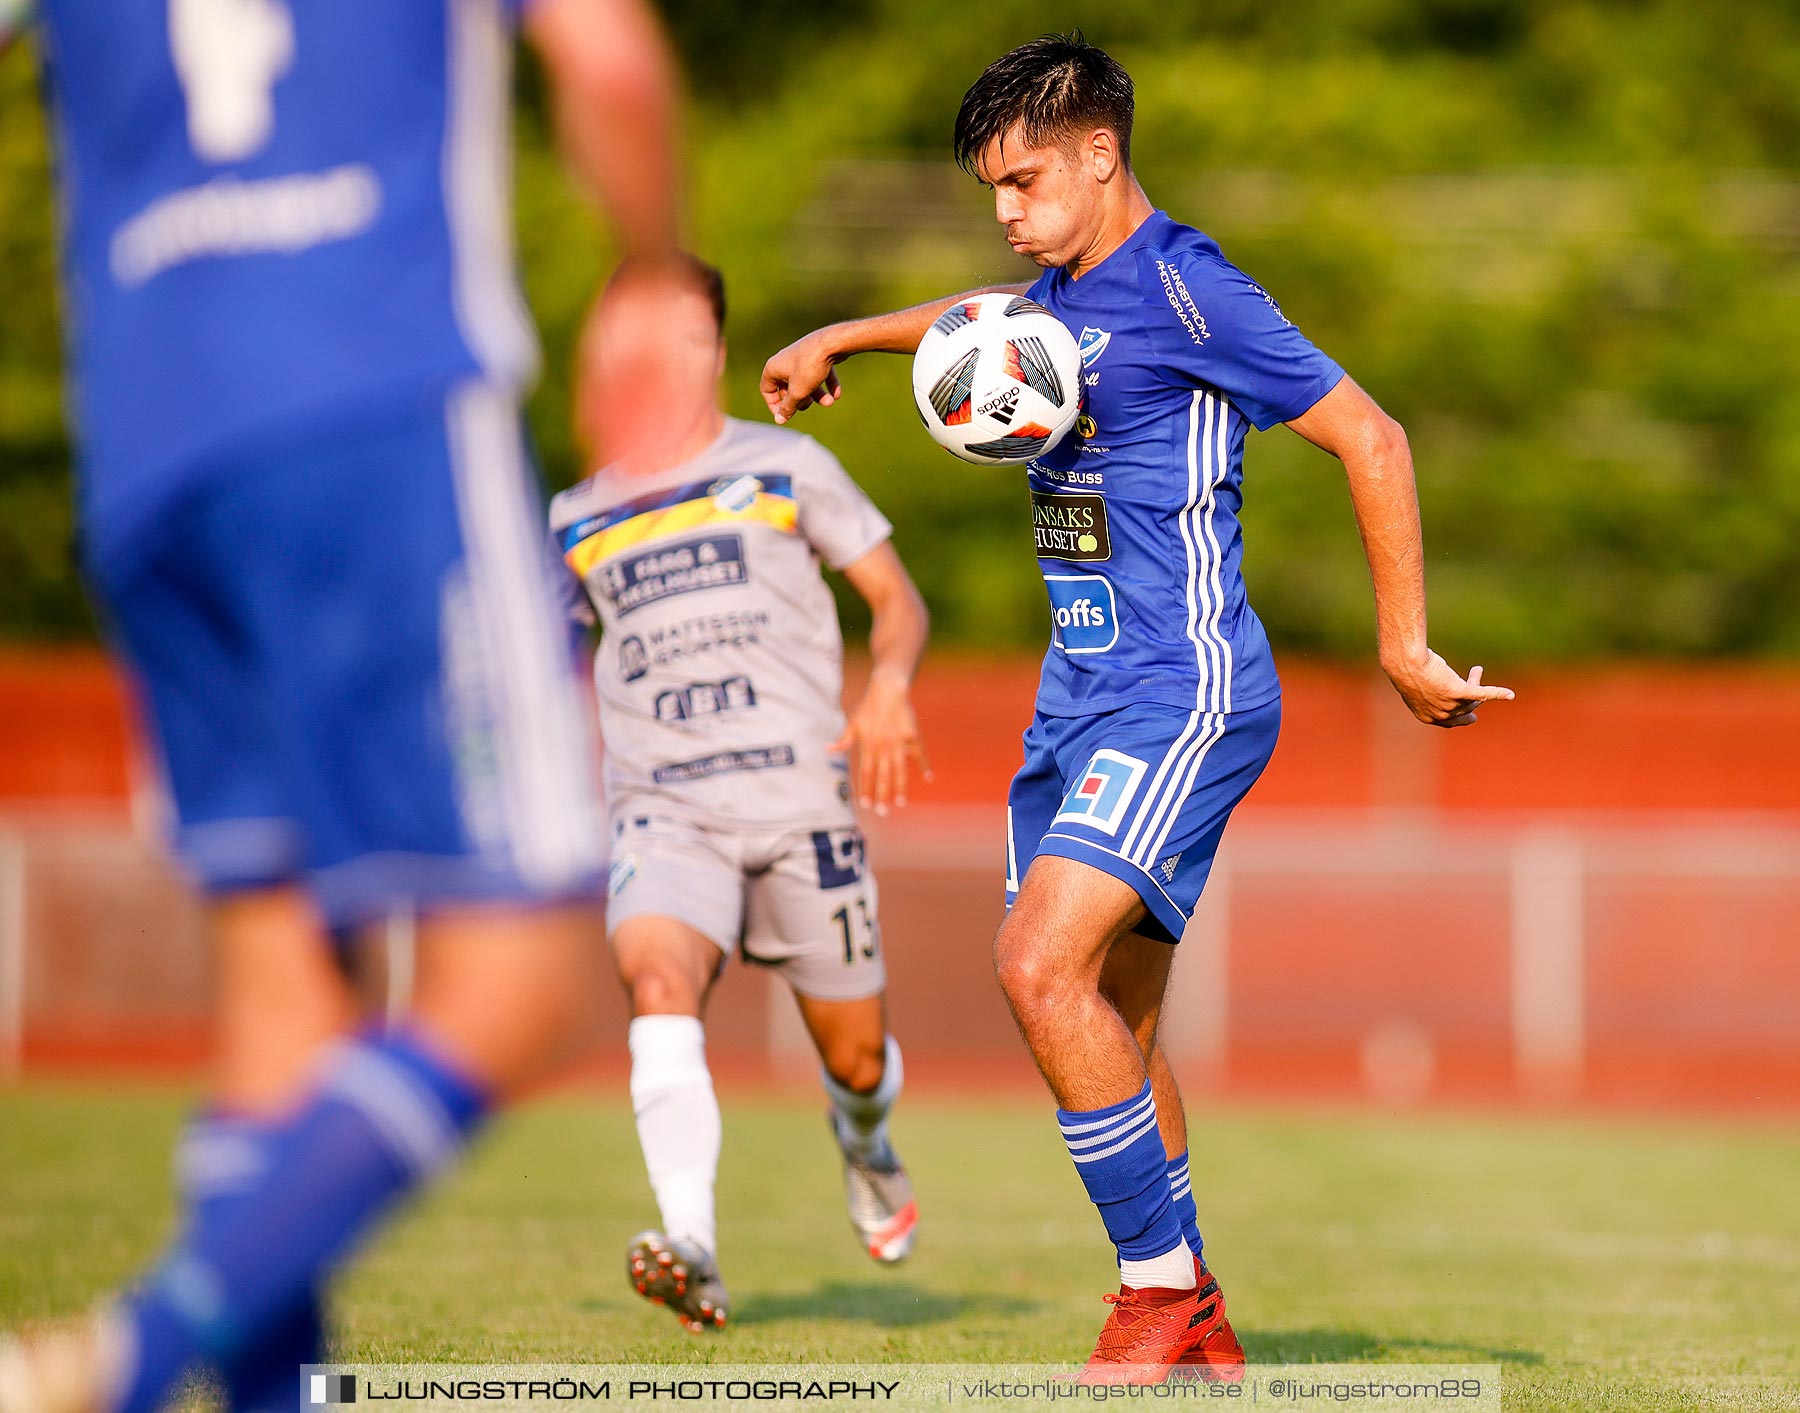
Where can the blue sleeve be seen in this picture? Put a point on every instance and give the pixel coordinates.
(1215, 327)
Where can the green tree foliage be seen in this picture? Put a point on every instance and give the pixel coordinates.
(38, 592)
(1559, 239)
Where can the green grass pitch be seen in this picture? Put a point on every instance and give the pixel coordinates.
(1606, 1264)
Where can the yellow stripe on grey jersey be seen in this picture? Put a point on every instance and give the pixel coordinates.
(720, 672)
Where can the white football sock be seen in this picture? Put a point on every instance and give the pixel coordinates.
(677, 1123)
(862, 1126)
(1173, 1270)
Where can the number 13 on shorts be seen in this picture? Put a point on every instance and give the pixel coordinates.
(861, 933)
(843, 863)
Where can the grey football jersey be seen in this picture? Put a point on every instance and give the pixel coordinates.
(720, 671)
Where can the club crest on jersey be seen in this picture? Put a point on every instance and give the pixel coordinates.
(1092, 344)
(619, 876)
(735, 494)
(1104, 792)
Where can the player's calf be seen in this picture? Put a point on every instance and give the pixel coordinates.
(678, 1124)
(877, 1188)
(1048, 957)
(1118, 1154)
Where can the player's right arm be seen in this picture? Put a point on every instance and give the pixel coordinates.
(615, 95)
(805, 371)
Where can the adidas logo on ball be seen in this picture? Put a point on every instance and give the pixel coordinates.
(997, 380)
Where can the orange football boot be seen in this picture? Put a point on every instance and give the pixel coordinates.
(1214, 1354)
(1148, 1332)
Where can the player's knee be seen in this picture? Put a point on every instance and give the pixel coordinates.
(658, 986)
(856, 1063)
(1028, 978)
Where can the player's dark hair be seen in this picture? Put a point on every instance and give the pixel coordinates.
(1057, 87)
(706, 279)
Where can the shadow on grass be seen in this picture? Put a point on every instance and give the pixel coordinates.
(1357, 1346)
(887, 1304)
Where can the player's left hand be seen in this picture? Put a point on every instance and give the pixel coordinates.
(884, 735)
(1438, 695)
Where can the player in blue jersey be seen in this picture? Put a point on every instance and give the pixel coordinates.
(297, 348)
(1159, 705)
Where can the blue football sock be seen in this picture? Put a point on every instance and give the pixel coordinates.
(220, 1159)
(1119, 1155)
(388, 1115)
(1181, 1194)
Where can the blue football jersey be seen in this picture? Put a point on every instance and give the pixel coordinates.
(1135, 512)
(273, 211)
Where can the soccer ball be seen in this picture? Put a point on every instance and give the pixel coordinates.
(997, 379)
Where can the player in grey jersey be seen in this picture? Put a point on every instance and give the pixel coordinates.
(727, 753)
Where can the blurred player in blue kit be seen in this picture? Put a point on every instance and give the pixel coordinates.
(296, 351)
(1158, 705)
(728, 763)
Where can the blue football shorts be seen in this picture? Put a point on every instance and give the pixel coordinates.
(1141, 793)
(354, 672)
